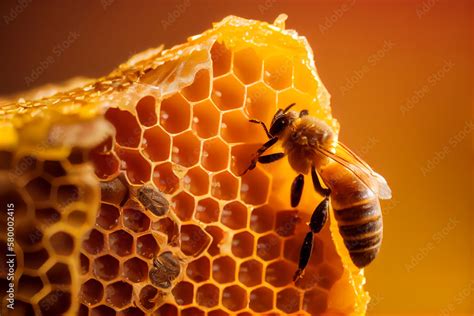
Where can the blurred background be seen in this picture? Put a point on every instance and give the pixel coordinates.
(400, 74)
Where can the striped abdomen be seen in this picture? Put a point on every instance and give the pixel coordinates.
(358, 214)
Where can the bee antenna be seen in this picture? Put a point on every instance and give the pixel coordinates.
(289, 107)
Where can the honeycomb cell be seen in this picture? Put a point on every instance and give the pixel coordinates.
(102, 310)
(113, 191)
(127, 129)
(169, 228)
(221, 59)
(241, 156)
(147, 247)
(25, 165)
(165, 179)
(146, 110)
(280, 273)
(215, 155)
(135, 220)
(207, 295)
(207, 211)
(175, 114)
(39, 189)
(77, 218)
(255, 187)
(278, 72)
(105, 267)
(288, 300)
(243, 244)
(217, 235)
(327, 275)
(62, 243)
(217, 312)
(22, 308)
(76, 157)
(108, 216)
(315, 301)
(91, 292)
(268, 247)
(167, 310)
(303, 79)
(84, 262)
(118, 294)
(234, 215)
(288, 96)
(53, 168)
(193, 240)
(234, 298)
(206, 119)
(236, 128)
(105, 164)
(250, 273)
(47, 216)
(199, 270)
(262, 219)
(196, 181)
(261, 102)
(228, 93)
(183, 293)
(183, 206)
(121, 243)
(156, 144)
(137, 168)
(28, 286)
(147, 296)
(28, 234)
(247, 65)
(192, 311)
(186, 149)
(35, 259)
(93, 242)
(67, 194)
(131, 311)
(135, 270)
(261, 300)
(57, 302)
(223, 269)
(285, 223)
(59, 274)
(199, 89)
(224, 186)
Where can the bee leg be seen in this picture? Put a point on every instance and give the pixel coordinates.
(320, 216)
(297, 190)
(263, 125)
(270, 158)
(259, 152)
(303, 113)
(317, 184)
(305, 254)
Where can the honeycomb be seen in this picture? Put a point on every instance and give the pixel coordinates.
(127, 195)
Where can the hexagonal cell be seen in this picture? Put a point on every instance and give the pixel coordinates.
(268, 247)
(288, 301)
(224, 186)
(68, 193)
(113, 191)
(147, 296)
(292, 248)
(221, 59)
(196, 181)
(127, 129)
(35, 259)
(59, 274)
(278, 72)
(47, 216)
(199, 89)
(27, 234)
(105, 164)
(146, 110)
(192, 311)
(91, 292)
(183, 293)
(261, 300)
(243, 244)
(223, 269)
(93, 242)
(315, 301)
(186, 149)
(167, 310)
(255, 187)
(207, 211)
(261, 102)
(131, 311)
(262, 219)
(285, 223)
(25, 165)
(302, 100)
(147, 246)
(217, 312)
(327, 275)
(156, 144)
(102, 310)
(280, 273)
(228, 92)
(57, 302)
(206, 119)
(77, 156)
(135, 270)
(39, 189)
(138, 169)
(217, 237)
(207, 295)
(28, 286)
(53, 168)
(234, 215)
(118, 294)
(121, 243)
(247, 66)
(77, 218)
(193, 240)
(199, 270)
(105, 267)
(84, 262)
(165, 179)
(169, 228)
(241, 156)
(175, 114)
(236, 128)
(135, 220)
(303, 79)
(250, 273)
(215, 155)
(62, 243)
(234, 298)
(107, 216)
(184, 205)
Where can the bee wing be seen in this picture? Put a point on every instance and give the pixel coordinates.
(360, 169)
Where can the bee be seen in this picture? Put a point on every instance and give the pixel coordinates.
(165, 269)
(353, 187)
(152, 199)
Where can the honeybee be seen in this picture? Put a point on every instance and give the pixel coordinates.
(354, 188)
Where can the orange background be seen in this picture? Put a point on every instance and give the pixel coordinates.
(401, 78)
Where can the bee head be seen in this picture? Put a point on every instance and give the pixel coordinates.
(281, 120)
